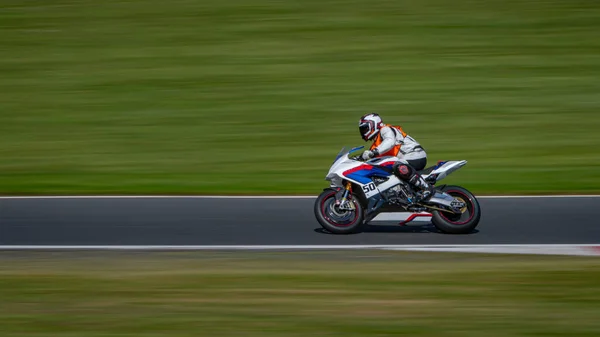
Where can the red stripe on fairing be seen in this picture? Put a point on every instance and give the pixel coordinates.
(413, 216)
(389, 163)
(358, 168)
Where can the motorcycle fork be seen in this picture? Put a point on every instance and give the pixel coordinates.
(343, 203)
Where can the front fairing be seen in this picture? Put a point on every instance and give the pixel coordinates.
(341, 161)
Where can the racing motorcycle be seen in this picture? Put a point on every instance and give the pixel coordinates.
(360, 190)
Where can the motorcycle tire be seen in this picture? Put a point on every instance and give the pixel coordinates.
(463, 223)
(334, 220)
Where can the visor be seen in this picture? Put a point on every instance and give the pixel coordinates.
(364, 129)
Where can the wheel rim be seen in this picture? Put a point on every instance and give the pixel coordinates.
(336, 217)
(467, 212)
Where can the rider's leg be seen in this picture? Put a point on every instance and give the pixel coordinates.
(409, 174)
(418, 164)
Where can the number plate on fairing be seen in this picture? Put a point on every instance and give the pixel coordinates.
(370, 189)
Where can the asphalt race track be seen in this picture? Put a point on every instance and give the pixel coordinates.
(276, 221)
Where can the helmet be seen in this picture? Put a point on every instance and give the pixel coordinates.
(369, 126)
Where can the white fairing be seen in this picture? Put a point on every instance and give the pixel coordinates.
(344, 163)
(341, 165)
(447, 168)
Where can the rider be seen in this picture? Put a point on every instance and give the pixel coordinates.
(391, 140)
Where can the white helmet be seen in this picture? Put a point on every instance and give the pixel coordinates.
(369, 126)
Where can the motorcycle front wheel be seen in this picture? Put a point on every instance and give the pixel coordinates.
(334, 219)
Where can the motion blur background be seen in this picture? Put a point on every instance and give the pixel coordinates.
(255, 97)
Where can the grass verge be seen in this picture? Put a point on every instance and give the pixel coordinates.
(297, 294)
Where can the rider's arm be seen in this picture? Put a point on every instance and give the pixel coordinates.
(388, 140)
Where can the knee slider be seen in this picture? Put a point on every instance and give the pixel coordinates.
(403, 171)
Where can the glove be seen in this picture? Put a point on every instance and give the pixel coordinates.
(368, 155)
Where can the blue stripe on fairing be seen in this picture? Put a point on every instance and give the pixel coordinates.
(439, 165)
(358, 176)
(364, 176)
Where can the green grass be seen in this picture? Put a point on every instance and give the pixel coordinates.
(236, 96)
(297, 294)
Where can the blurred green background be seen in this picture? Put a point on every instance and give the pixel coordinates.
(297, 294)
(258, 96)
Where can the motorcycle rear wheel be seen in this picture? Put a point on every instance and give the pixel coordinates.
(334, 220)
(463, 223)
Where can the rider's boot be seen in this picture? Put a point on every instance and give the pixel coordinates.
(426, 190)
(407, 173)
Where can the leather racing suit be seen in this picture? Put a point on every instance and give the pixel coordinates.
(393, 141)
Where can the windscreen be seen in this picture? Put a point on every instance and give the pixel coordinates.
(346, 150)
(342, 152)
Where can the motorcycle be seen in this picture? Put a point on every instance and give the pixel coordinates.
(360, 190)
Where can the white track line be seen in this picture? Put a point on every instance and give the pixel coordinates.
(254, 197)
(539, 249)
(278, 247)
